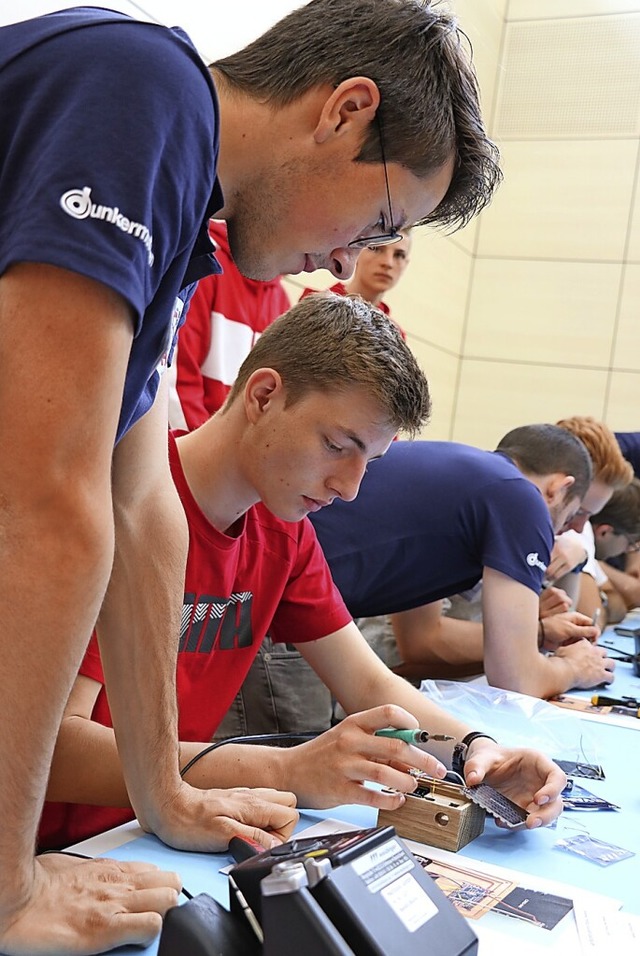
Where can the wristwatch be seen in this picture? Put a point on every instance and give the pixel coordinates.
(460, 750)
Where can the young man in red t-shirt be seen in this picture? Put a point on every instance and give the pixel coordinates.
(322, 393)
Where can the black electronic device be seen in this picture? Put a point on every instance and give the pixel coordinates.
(623, 631)
(360, 893)
(202, 927)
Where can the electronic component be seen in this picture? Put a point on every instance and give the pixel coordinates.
(578, 768)
(601, 852)
(577, 798)
(495, 803)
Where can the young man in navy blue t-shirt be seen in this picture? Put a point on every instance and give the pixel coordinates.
(117, 145)
(434, 519)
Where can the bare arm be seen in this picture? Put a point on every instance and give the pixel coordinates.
(511, 656)
(65, 343)
(87, 769)
(327, 771)
(434, 646)
(139, 620)
(528, 777)
(624, 586)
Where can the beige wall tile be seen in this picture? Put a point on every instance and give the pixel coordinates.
(484, 24)
(441, 370)
(292, 289)
(623, 405)
(633, 251)
(496, 396)
(541, 9)
(627, 342)
(563, 200)
(320, 280)
(557, 312)
(431, 298)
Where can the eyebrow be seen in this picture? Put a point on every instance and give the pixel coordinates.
(353, 437)
(358, 443)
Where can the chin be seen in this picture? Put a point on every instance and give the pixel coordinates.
(290, 515)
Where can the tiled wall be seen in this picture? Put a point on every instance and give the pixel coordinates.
(532, 312)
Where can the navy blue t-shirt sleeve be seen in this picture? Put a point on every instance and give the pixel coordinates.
(517, 533)
(109, 163)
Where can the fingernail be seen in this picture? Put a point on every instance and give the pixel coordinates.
(542, 800)
(536, 822)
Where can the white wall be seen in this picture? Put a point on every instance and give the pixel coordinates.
(214, 33)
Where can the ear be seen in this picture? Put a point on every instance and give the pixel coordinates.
(602, 530)
(351, 107)
(263, 389)
(557, 487)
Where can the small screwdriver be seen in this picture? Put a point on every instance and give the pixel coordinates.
(412, 736)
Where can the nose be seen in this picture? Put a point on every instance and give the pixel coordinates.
(577, 523)
(343, 262)
(386, 254)
(346, 482)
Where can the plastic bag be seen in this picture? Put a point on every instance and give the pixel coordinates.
(516, 720)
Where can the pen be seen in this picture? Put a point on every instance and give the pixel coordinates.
(630, 702)
(411, 736)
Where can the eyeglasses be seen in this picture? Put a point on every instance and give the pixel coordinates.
(383, 238)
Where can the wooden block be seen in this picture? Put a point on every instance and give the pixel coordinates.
(437, 813)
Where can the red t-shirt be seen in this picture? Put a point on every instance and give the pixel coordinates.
(227, 314)
(272, 577)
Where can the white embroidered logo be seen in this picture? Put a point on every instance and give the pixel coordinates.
(534, 561)
(77, 204)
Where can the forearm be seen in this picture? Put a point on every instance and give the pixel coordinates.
(54, 570)
(511, 656)
(626, 585)
(87, 768)
(570, 583)
(437, 646)
(542, 676)
(138, 633)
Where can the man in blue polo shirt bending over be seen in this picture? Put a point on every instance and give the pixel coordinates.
(434, 519)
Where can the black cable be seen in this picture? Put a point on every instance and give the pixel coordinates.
(287, 740)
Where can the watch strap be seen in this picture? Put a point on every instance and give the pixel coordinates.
(460, 750)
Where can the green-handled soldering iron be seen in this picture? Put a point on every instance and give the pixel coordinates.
(411, 736)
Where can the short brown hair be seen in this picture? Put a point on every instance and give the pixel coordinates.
(543, 449)
(421, 63)
(622, 511)
(329, 342)
(609, 465)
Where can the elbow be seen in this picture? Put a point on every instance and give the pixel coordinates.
(71, 531)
